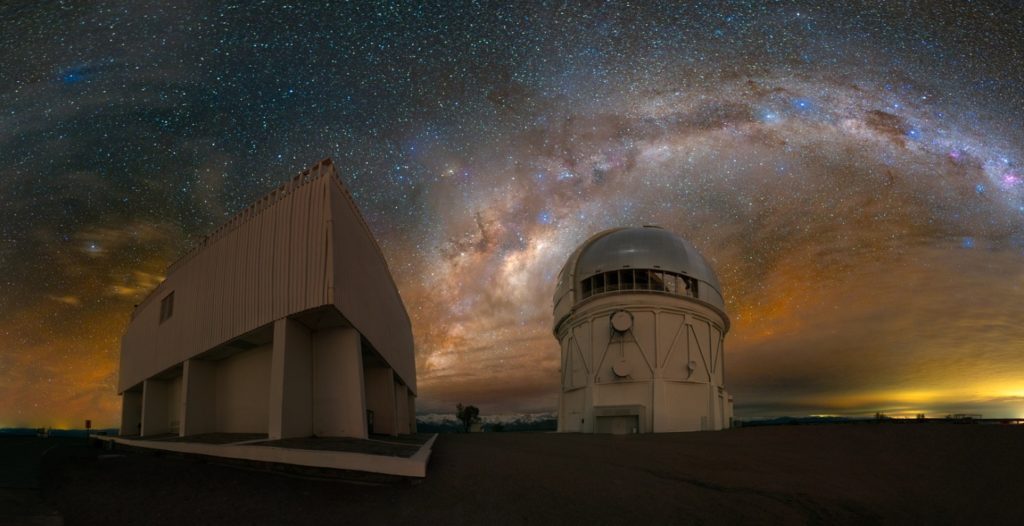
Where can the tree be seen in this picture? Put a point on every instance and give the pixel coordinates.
(468, 415)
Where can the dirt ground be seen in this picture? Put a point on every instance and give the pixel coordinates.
(819, 474)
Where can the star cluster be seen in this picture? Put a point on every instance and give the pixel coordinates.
(854, 173)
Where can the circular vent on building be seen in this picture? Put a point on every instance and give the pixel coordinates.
(621, 368)
(622, 320)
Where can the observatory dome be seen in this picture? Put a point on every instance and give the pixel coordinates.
(639, 317)
(625, 260)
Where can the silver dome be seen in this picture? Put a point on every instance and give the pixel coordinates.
(648, 247)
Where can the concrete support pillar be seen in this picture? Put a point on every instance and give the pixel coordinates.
(380, 399)
(339, 402)
(402, 409)
(291, 374)
(199, 398)
(154, 407)
(131, 412)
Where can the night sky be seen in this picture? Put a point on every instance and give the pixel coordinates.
(854, 174)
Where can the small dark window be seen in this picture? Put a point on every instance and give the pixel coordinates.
(586, 288)
(166, 307)
(627, 280)
(611, 281)
(643, 280)
(598, 283)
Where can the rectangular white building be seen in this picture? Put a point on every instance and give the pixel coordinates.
(284, 321)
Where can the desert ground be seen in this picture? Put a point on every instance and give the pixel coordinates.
(819, 474)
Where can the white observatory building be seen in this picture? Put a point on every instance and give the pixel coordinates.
(641, 322)
(284, 322)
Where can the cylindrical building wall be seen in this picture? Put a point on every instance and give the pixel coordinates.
(641, 347)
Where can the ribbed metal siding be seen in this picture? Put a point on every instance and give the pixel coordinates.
(265, 263)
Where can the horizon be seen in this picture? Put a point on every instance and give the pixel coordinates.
(852, 174)
(552, 416)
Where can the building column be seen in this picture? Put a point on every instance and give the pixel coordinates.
(411, 404)
(154, 407)
(380, 399)
(291, 374)
(339, 401)
(131, 412)
(402, 409)
(199, 398)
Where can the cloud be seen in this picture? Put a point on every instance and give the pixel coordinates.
(916, 331)
(137, 286)
(73, 301)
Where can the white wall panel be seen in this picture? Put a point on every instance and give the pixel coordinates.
(243, 391)
(303, 245)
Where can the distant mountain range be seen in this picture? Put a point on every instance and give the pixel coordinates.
(40, 431)
(548, 421)
(446, 422)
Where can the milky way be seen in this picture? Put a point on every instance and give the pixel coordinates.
(854, 174)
